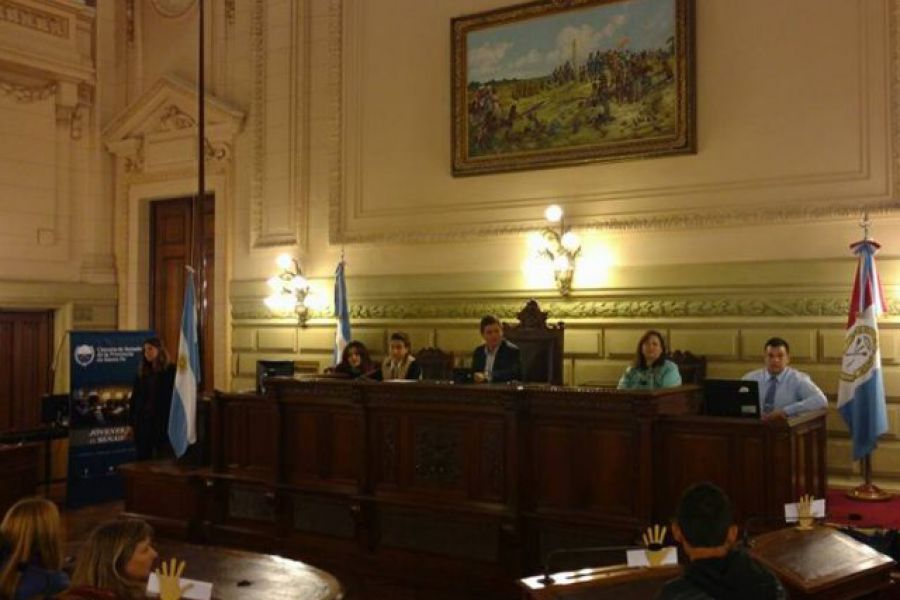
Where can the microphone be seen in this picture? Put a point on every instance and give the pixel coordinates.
(556, 552)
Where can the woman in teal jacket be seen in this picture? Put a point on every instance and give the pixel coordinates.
(651, 370)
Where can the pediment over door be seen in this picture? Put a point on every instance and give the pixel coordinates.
(158, 131)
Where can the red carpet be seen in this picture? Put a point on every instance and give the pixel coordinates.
(843, 511)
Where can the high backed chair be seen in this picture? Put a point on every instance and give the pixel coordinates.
(691, 366)
(436, 364)
(541, 344)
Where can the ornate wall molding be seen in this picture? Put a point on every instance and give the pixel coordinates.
(776, 306)
(173, 118)
(27, 94)
(32, 18)
(258, 109)
(172, 8)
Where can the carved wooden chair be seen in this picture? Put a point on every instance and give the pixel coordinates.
(436, 364)
(691, 366)
(541, 344)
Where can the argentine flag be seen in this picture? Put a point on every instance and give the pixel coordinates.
(861, 390)
(182, 418)
(341, 313)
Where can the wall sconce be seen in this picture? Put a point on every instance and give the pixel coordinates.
(560, 246)
(290, 290)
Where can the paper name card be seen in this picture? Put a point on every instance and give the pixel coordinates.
(638, 558)
(817, 509)
(192, 589)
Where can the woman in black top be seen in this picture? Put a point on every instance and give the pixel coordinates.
(151, 399)
(355, 361)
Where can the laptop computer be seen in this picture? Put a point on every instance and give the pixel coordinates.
(731, 398)
(463, 375)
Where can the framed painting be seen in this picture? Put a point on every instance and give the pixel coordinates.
(563, 82)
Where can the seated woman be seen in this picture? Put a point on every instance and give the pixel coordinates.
(651, 370)
(31, 553)
(114, 563)
(355, 361)
(399, 364)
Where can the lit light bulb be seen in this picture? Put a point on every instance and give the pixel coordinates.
(299, 282)
(561, 263)
(536, 242)
(284, 261)
(570, 241)
(553, 213)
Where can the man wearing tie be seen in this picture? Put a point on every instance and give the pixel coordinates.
(496, 360)
(785, 392)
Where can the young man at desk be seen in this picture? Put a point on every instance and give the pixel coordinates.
(783, 391)
(497, 360)
(705, 528)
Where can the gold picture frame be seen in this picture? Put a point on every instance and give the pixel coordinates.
(566, 82)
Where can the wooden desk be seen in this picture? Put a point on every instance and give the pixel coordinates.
(823, 563)
(606, 583)
(468, 485)
(18, 473)
(240, 575)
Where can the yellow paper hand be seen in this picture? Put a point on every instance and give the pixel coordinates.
(169, 580)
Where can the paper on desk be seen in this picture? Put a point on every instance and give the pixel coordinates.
(818, 510)
(198, 590)
(638, 558)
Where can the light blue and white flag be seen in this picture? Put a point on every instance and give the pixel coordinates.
(341, 313)
(183, 416)
(861, 390)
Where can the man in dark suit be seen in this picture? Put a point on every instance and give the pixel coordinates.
(497, 360)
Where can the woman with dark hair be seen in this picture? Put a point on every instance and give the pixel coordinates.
(31, 553)
(151, 398)
(114, 563)
(399, 364)
(355, 361)
(651, 370)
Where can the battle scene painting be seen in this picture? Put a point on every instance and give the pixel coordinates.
(555, 83)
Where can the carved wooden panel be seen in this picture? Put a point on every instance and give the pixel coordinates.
(449, 535)
(438, 453)
(252, 504)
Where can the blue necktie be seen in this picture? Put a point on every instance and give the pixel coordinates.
(769, 402)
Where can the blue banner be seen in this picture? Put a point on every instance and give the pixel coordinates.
(103, 367)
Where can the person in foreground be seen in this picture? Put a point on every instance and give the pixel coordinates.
(399, 364)
(783, 391)
(355, 361)
(718, 569)
(651, 370)
(151, 399)
(114, 562)
(497, 360)
(31, 553)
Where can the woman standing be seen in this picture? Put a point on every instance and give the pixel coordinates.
(151, 399)
(651, 370)
(31, 554)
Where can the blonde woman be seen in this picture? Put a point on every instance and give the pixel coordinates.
(31, 552)
(114, 563)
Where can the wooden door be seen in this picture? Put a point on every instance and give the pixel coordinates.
(172, 225)
(26, 347)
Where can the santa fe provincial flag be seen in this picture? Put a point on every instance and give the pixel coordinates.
(341, 313)
(861, 391)
(183, 416)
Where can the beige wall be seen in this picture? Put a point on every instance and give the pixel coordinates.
(334, 115)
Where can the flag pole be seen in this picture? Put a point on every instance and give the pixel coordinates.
(198, 273)
(867, 491)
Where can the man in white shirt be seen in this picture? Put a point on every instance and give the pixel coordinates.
(784, 392)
